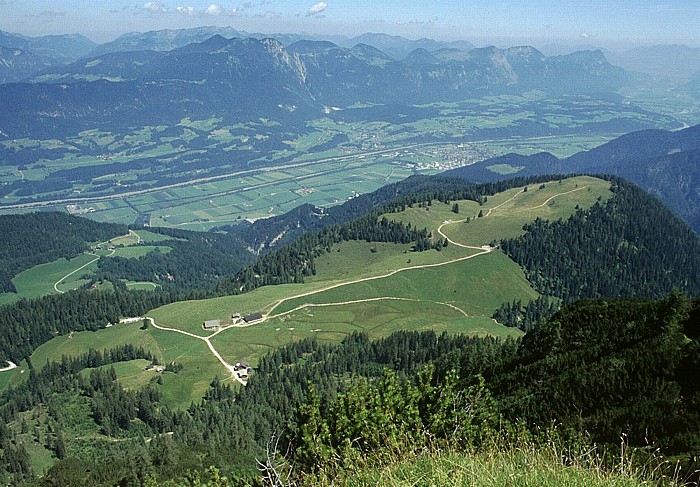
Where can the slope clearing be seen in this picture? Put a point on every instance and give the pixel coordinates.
(377, 288)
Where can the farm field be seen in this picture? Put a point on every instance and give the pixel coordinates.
(455, 290)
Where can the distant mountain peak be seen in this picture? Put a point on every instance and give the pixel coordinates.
(420, 57)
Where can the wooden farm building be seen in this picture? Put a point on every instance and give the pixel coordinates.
(252, 317)
(212, 324)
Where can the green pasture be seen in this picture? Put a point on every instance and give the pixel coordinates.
(10, 376)
(132, 374)
(266, 194)
(199, 367)
(476, 286)
(504, 214)
(376, 259)
(40, 280)
(151, 237)
(40, 457)
(659, 99)
(334, 268)
(80, 342)
(512, 209)
(141, 286)
(190, 315)
(129, 239)
(457, 293)
(333, 323)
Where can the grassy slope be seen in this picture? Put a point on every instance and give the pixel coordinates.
(199, 366)
(527, 466)
(455, 297)
(39, 280)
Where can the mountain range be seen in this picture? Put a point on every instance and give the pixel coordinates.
(676, 63)
(222, 77)
(396, 47)
(29, 56)
(22, 57)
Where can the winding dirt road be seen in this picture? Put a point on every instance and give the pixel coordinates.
(207, 340)
(485, 249)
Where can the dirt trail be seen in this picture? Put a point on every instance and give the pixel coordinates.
(505, 202)
(556, 195)
(55, 285)
(484, 250)
(207, 340)
(97, 257)
(269, 315)
(10, 366)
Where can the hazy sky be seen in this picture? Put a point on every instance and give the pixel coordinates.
(605, 23)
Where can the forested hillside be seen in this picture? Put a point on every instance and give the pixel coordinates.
(37, 238)
(29, 323)
(629, 246)
(196, 262)
(104, 431)
(397, 394)
(609, 368)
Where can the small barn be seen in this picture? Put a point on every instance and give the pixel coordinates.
(212, 324)
(252, 317)
(235, 316)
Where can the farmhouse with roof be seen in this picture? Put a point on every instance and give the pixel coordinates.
(252, 317)
(212, 324)
(243, 369)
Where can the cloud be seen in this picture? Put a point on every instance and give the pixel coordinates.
(214, 9)
(185, 10)
(156, 7)
(585, 36)
(317, 9)
(430, 21)
(53, 13)
(46, 14)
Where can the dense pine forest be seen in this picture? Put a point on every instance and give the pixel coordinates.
(625, 247)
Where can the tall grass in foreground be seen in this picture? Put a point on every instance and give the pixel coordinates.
(499, 463)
